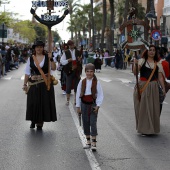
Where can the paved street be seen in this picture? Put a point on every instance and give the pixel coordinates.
(60, 144)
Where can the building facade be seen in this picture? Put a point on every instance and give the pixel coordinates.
(159, 4)
(143, 2)
(165, 21)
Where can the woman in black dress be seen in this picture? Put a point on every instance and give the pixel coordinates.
(40, 101)
(98, 61)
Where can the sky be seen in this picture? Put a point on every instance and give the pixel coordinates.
(22, 7)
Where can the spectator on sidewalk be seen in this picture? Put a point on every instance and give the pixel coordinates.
(118, 59)
(8, 59)
(98, 61)
(3, 53)
(168, 59)
(165, 65)
(85, 56)
(1, 63)
(106, 57)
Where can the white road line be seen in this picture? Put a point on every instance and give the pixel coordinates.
(92, 160)
(106, 80)
(7, 78)
(165, 102)
(124, 80)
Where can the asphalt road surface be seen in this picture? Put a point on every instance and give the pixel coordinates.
(59, 146)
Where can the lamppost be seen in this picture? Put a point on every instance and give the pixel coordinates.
(3, 32)
(151, 17)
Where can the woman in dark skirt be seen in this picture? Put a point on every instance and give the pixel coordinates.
(98, 61)
(40, 101)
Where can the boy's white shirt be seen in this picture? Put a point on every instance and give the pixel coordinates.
(99, 98)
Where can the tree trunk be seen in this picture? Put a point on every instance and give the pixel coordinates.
(92, 23)
(126, 10)
(103, 24)
(146, 20)
(76, 38)
(89, 29)
(71, 12)
(111, 39)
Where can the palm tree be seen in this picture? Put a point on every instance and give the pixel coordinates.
(87, 10)
(104, 20)
(92, 24)
(121, 11)
(98, 23)
(80, 22)
(72, 4)
(111, 39)
(126, 10)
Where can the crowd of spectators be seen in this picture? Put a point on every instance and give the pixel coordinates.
(11, 56)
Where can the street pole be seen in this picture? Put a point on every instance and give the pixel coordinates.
(3, 33)
(152, 18)
(151, 21)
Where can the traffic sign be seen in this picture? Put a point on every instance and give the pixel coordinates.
(156, 35)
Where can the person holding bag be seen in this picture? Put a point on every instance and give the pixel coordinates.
(147, 107)
(40, 99)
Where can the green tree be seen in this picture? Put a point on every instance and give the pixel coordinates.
(41, 31)
(88, 25)
(5, 18)
(24, 28)
(73, 5)
(56, 36)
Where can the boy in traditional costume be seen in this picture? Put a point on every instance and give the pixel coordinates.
(89, 97)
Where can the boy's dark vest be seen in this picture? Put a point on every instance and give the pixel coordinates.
(89, 99)
(68, 67)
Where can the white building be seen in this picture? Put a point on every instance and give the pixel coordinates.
(14, 37)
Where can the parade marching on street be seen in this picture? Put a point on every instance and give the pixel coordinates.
(60, 144)
(92, 94)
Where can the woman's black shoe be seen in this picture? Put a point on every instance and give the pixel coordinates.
(32, 125)
(39, 127)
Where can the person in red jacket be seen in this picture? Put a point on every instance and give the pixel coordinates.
(165, 65)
